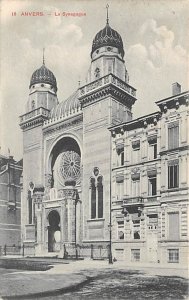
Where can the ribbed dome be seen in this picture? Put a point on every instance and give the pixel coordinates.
(43, 75)
(67, 106)
(108, 37)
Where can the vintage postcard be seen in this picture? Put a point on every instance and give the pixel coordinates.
(94, 149)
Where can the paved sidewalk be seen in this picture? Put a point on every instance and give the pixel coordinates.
(16, 284)
(22, 285)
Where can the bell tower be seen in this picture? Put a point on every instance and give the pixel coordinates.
(106, 99)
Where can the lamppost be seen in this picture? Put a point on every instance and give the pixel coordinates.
(76, 201)
(110, 247)
(110, 225)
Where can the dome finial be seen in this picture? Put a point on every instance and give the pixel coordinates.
(43, 56)
(107, 19)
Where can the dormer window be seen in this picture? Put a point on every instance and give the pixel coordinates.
(97, 73)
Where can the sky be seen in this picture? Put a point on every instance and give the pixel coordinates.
(154, 34)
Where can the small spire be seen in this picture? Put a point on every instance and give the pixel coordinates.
(43, 56)
(107, 19)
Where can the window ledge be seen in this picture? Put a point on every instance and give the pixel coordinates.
(95, 220)
(177, 189)
(154, 197)
(126, 241)
(129, 164)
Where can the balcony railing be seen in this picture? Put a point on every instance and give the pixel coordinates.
(105, 81)
(133, 201)
(33, 114)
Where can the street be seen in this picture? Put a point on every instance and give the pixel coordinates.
(91, 280)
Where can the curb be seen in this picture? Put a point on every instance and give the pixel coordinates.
(55, 292)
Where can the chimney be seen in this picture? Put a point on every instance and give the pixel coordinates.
(176, 88)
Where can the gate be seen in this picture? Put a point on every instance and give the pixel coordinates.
(101, 252)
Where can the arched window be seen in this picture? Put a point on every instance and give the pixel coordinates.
(96, 186)
(33, 104)
(100, 197)
(93, 199)
(97, 73)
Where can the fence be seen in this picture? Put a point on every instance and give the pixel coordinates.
(17, 250)
(92, 251)
(98, 252)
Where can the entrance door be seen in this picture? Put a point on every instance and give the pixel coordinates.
(54, 231)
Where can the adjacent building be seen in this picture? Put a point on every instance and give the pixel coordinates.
(10, 201)
(150, 184)
(94, 175)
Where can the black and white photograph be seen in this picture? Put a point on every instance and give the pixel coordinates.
(94, 149)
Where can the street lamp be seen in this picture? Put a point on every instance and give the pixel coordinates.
(110, 246)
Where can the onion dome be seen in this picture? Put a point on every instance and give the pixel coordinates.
(67, 106)
(108, 37)
(43, 75)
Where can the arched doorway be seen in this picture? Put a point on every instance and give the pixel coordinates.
(54, 231)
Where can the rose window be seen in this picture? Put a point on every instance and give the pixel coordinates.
(69, 167)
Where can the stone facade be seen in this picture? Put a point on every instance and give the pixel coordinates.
(10, 201)
(150, 185)
(93, 175)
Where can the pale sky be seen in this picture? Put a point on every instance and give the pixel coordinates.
(155, 38)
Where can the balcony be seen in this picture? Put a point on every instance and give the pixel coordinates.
(105, 81)
(33, 114)
(133, 205)
(130, 201)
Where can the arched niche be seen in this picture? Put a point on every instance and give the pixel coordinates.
(64, 162)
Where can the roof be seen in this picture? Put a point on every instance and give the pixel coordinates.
(108, 37)
(65, 107)
(43, 75)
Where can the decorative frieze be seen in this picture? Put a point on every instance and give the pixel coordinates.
(62, 124)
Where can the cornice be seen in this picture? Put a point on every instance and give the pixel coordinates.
(33, 123)
(104, 91)
(173, 101)
(109, 85)
(141, 122)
